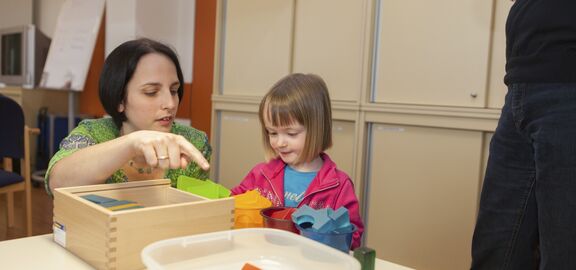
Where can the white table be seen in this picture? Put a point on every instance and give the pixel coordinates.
(41, 252)
(38, 252)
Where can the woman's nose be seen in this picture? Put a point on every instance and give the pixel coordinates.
(169, 101)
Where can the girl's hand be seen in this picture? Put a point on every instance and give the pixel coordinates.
(165, 150)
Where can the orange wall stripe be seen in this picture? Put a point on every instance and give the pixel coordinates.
(204, 42)
(88, 99)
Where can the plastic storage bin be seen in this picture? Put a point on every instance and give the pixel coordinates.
(261, 247)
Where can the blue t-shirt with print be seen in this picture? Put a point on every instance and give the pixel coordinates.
(295, 185)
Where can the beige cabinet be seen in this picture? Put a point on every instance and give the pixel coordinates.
(496, 87)
(257, 45)
(238, 147)
(433, 52)
(265, 40)
(333, 47)
(342, 151)
(422, 195)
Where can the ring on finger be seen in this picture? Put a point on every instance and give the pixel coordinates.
(162, 157)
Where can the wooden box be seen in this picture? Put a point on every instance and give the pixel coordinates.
(114, 239)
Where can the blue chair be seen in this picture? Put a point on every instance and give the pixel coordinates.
(15, 145)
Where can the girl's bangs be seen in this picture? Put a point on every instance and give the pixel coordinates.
(279, 114)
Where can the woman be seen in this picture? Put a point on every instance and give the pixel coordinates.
(140, 87)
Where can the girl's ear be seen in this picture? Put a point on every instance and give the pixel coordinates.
(121, 107)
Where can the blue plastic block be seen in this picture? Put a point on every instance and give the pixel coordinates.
(341, 218)
(322, 221)
(97, 199)
(304, 214)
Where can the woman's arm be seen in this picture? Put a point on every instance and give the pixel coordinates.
(94, 164)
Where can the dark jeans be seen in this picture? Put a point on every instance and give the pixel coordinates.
(527, 215)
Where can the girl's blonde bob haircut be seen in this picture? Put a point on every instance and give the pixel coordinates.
(304, 99)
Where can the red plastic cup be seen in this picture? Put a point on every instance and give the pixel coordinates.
(279, 218)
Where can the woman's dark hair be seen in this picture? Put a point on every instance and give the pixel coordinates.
(119, 68)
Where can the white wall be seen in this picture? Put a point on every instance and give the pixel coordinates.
(46, 15)
(169, 21)
(42, 13)
(15, 13)
(120, 23)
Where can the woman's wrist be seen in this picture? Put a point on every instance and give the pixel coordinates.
(129, 141)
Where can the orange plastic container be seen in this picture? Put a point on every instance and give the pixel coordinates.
(247, 210)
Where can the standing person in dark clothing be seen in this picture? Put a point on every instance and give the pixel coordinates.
(527, 215)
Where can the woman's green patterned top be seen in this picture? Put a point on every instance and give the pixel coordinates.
(94, 131)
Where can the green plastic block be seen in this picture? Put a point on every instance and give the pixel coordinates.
(205, 188)
(366, 256)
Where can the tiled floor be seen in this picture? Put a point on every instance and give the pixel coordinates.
(41, 215)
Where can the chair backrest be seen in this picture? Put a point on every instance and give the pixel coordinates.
(11, 128)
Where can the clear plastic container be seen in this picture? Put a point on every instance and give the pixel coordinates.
(261, 247)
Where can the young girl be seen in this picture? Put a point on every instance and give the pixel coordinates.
(296, 121)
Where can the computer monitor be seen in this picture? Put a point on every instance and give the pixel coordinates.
(23, 52)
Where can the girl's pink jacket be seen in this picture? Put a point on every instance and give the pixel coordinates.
(330, 188)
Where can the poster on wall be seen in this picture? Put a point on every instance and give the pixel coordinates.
(72, 45)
